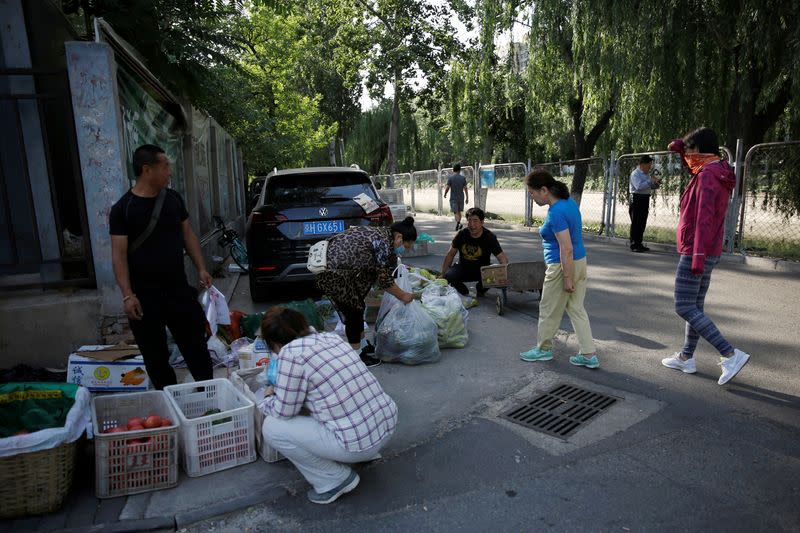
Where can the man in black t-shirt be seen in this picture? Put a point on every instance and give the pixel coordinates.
(155, 293)
(475, 246)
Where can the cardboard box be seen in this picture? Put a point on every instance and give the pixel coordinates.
(101, 368)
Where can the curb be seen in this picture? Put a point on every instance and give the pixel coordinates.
(188, 518)
(181, 520)
(125, 526)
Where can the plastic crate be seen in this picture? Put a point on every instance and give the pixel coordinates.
(245, 381)
(214, 442)
(137, 461)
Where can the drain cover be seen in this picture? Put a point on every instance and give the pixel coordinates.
(561, 411)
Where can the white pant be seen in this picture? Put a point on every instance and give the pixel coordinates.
(314, 450)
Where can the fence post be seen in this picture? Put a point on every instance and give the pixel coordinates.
(528, 207)
(732, 216)
(613, 182)
(413, 200)
(603, 216)
(439, 189)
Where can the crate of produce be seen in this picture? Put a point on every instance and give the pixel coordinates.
(245, 381)
(136, 443)
(494, 276)
(40, 428)
(217, 426)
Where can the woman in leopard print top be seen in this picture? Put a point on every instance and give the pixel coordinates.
(359, 258)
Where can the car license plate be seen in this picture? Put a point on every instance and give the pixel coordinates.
(323, 227)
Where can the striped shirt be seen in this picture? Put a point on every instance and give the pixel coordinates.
(325, 375)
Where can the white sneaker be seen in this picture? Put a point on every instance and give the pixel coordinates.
(732, 365)
(674, 361)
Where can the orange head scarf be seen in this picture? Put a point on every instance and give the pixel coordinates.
(696, 162)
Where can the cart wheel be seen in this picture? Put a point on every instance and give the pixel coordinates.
(499, 305)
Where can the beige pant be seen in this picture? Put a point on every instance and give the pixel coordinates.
(555, 300)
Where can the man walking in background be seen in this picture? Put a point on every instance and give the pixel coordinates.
(150, 229)
(460, 194)
(641, 185)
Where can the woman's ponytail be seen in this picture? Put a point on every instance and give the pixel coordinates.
(539, 178)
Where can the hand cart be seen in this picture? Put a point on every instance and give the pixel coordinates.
(520, 277)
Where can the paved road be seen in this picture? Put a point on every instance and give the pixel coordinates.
(678, 452)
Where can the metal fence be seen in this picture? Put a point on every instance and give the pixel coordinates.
(594, 201)
(763, 218)
(506, 197)
(662, 220)
(769, 220)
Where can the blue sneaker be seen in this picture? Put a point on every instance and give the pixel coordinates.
(580, 360)
(536, 354)
(332, 495)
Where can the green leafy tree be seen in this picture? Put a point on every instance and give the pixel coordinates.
(402, 40)
(264, 99)
(575, 75)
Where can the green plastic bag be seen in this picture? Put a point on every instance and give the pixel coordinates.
(308, 308)
(34, 406)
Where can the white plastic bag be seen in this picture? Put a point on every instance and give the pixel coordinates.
(444, 305)
(407, 335)
(78, 419)
(388, 301)
(215, 307)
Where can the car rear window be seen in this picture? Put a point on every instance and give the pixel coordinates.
(294, 190)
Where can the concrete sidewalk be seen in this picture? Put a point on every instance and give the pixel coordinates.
(677, 452)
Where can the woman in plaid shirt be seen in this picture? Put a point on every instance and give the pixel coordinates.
(346, 416)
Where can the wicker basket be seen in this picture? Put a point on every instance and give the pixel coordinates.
(37, 482)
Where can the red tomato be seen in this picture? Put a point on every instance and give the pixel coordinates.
(135, 421)
(22, 432)
(152, 421)
(116, 429)
(166, 422)
(135, 427)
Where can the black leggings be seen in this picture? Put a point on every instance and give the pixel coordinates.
(353, 318)
(177, 309)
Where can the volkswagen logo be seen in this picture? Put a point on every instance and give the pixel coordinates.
(323, 211)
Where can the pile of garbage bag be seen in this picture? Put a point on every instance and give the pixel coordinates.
(408, 335)
(444, 305)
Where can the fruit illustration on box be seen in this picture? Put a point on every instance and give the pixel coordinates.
(134, 377)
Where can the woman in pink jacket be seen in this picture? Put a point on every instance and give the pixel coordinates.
(703, 206)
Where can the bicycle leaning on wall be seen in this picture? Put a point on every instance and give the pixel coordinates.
(229, 238)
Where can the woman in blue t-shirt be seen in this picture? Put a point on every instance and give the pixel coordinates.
(565, 278)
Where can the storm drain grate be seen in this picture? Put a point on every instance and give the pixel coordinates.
(561, 411)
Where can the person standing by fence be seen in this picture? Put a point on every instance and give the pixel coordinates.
(565, 279)
(640, 186)
(703, 206)
(457, 186)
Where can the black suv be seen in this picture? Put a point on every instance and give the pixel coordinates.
(298, 208)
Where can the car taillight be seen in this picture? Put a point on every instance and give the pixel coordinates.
(382, 215)
(267, 268)
(267, 219)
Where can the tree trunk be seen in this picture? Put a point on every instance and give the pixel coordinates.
(584, 144)
(394, 130)
(332, 152)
